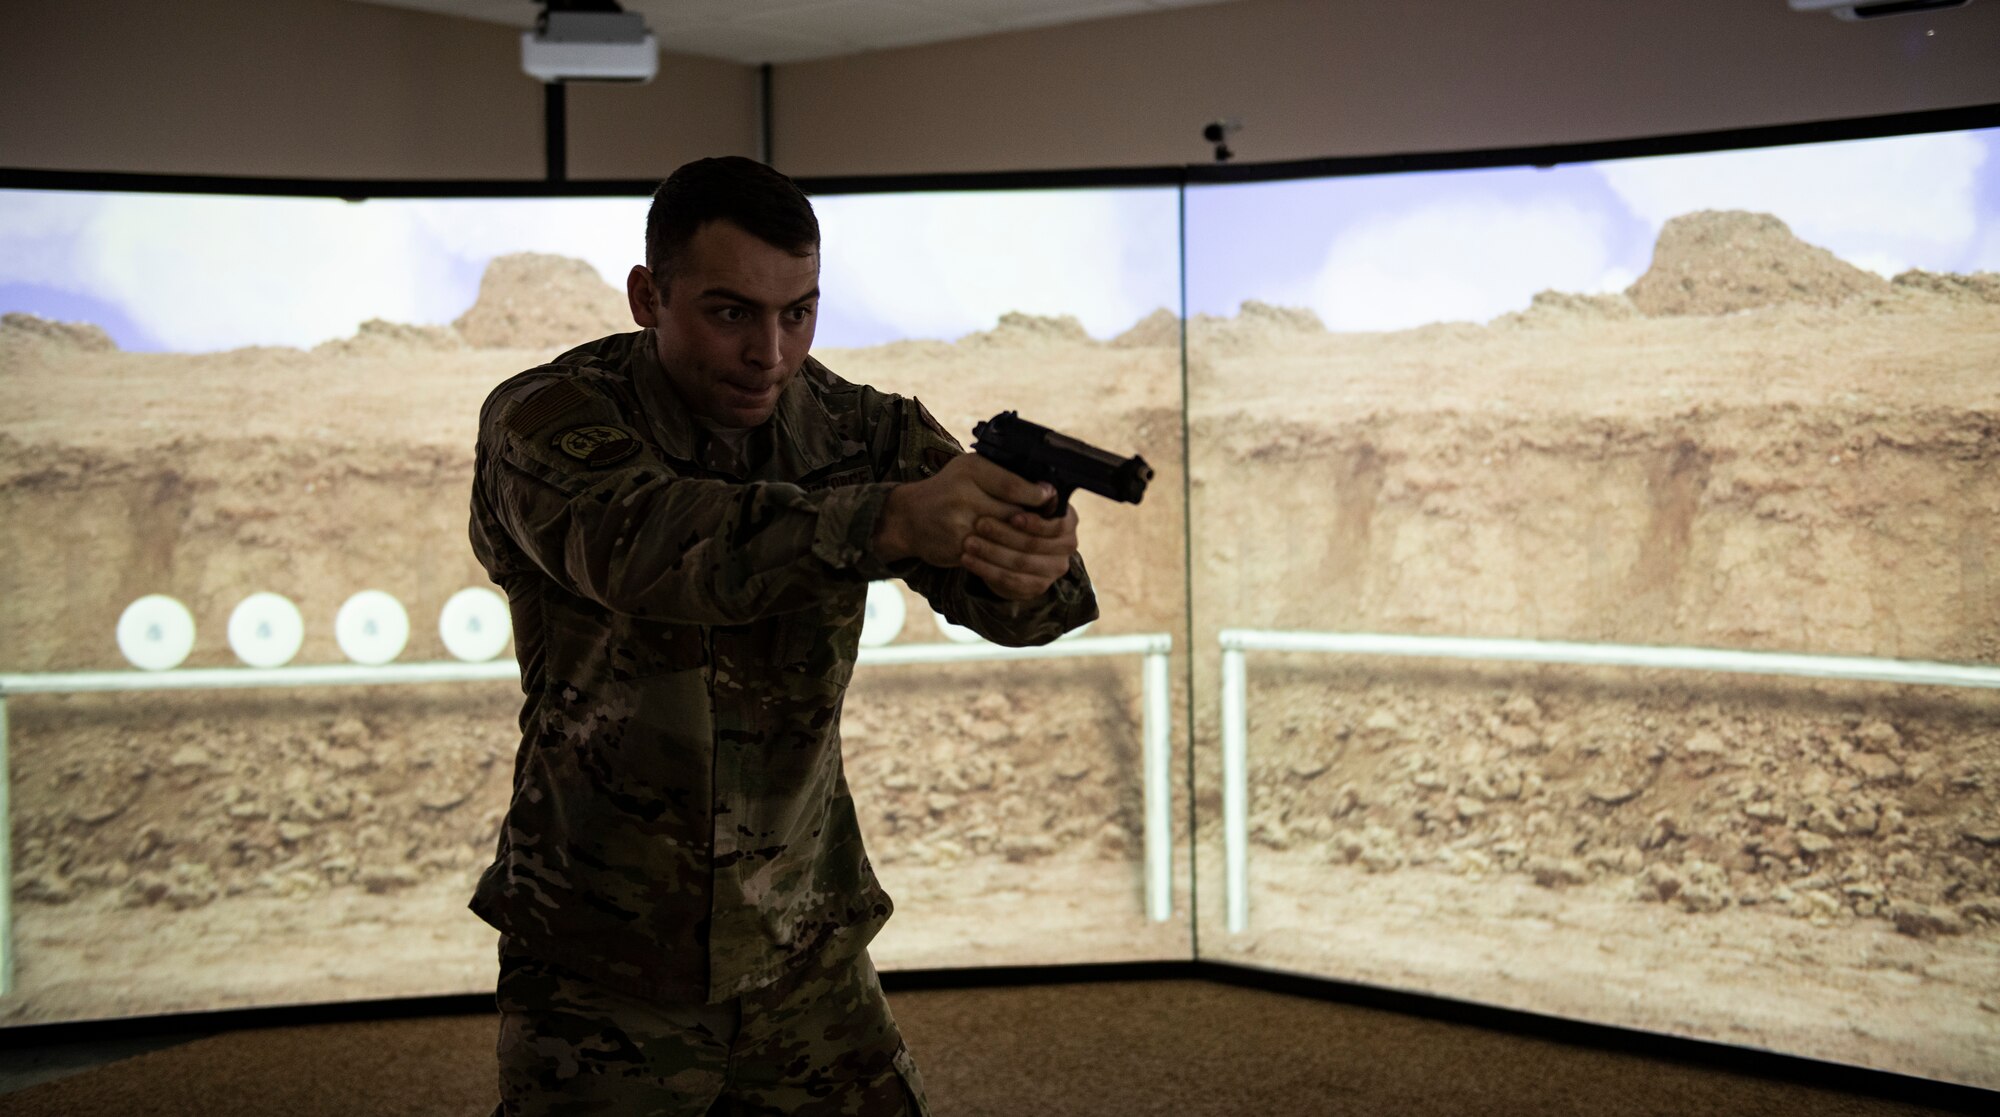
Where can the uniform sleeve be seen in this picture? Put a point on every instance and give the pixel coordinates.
(580, 496)
(919, 446)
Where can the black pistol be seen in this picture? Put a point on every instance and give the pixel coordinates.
(1039, 454)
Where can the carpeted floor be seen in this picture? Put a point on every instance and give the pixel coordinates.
(1185, 1048)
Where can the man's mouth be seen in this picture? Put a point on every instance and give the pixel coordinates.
(757, 396)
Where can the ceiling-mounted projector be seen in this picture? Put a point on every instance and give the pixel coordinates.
(596, 45)
(1874, 9)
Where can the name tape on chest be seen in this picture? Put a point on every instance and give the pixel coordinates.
(841, 480)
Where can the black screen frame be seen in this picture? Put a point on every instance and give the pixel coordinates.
(1965, 118)
(1713, 1053)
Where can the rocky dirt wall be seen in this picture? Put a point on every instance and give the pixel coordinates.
(1810, 475)
(1837, 529)
(139, 818)
(1829, 802)
(210, 520)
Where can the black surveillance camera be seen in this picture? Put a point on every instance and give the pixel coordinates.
(1215, 131)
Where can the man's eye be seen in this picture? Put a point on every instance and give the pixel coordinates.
(730, 313)
(801, 313)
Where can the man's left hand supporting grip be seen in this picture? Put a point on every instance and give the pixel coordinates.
(975, 515)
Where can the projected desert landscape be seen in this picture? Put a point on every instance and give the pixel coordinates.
(188, 851)
(1756, 446)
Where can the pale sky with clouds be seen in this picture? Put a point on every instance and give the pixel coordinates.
(1468, 259)
(945, 265)
(1893, 204)
(197, 273)
(1389, 252)
(194, 273)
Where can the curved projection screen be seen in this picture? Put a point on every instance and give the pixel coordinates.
(1740, 401)
(239, 434)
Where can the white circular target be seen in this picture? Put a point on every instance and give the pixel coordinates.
(886, 614)
(475, 624)
(265, 630)
(956, 633)
(156, 632)
(372, 627)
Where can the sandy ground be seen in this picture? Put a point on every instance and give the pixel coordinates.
(349, 944)
(185, 852)
(1754, 448)
(1872, 998)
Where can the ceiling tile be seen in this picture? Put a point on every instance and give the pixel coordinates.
(514, 13)
(749, 45)
(1077, 12)
(703, 13)
(1002, 13)
(868, 24)
(754, 31)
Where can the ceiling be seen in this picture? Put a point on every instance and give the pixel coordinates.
(759, 31)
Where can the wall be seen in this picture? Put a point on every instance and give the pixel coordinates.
(1310, 78)
(339, 89)
(328, 88)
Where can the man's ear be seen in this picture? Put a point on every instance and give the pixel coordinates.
(639, 293)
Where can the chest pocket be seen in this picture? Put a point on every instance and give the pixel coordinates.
(798, 660)
(618, 647)
(817, 646)
(649, 648)
(791, 643)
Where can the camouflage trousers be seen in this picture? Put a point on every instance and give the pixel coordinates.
(819, 1041)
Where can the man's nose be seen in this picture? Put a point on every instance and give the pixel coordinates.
(765, 350)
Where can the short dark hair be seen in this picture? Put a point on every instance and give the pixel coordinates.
(766, 204)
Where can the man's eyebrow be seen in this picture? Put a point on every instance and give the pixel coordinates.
(734, 296)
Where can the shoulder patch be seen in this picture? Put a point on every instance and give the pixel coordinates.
(546, 406)
(598, 445)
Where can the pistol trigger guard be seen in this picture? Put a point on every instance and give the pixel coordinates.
(1058, 508)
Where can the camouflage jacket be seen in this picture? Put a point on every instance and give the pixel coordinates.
(681, 825)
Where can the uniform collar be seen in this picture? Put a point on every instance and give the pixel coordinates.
(673, 425)
(806, 440)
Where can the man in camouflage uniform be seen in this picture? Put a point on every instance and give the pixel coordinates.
(685, 520)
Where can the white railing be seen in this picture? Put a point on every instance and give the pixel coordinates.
(1157, 725)
(1235, 712)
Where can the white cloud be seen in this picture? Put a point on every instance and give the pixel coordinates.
(1614, 280)
(36, 230)
(1909, 198)
(28, 214)
(1887, 265)
(1467, 259)
(607, 233)
(216, 272)
(204, 273)
(944, 265)
(1986, 257)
